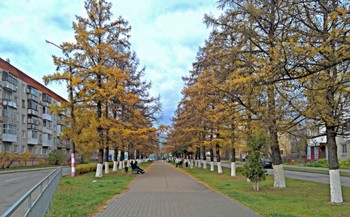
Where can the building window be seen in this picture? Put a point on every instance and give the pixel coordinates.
(23, 103)
(33, 105)
(344, 148)
(23, 134)
(34, 134)
(47, 124)
(15, 148)
(9, 129)
(23, 119)
(9, 77)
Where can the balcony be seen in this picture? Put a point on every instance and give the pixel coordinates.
(47, 140)
(33, 137)
(9, 135)
(33, 112)
(32, 97)
(32, 141)
(10, 103)
(9, 138)
(47, 117)
(47, 130)
(33, 126)
(8, 86)
(59, 130)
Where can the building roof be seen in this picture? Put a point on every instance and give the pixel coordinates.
(29, 80)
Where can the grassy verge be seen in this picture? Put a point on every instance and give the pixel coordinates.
(310, 170)
(84, 194)
(300, 198)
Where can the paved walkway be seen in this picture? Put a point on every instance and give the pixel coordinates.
(164, 191)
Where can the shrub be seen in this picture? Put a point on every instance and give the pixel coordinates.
(239, 169)
(57, 157)
(42, 161)
(318, 163)
(26, 156)
(81, 169)
(345, 164)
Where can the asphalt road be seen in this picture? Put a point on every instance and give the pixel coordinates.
(312, 177)
(14, 185)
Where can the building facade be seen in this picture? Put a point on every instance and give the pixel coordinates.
(26, 122)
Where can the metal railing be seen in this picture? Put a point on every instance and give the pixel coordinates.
(27, 205)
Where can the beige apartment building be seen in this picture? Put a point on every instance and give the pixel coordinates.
(26, 123)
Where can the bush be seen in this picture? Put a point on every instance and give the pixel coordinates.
(239, 169)
(42, 161)
(81, 169)
(318, 163)
(345, 164)
(57, 157)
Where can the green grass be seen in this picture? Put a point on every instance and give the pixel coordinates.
(310, 170)
(300, 198)
(84, 194)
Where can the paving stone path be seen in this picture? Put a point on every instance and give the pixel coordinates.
(165, 191)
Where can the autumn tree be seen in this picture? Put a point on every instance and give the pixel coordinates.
(112, 106)
(322, 52)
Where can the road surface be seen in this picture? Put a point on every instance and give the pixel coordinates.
(15, 184)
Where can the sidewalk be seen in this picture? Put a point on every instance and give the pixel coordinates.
(166, 191)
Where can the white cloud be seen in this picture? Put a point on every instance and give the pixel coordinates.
(165, 35)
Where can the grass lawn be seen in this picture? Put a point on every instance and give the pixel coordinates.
(300, 198)
(84, 194)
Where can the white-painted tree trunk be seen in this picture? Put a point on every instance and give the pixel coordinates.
(335, 185)
(128, 163)
(191, 164)
(99, 169)
(219, 167)
(120, 164)
(205, 164)
(115, 165)
(106, 168)
(211, 166)
(199, 164)
(233, 169)
(196, 163)
(279, 178)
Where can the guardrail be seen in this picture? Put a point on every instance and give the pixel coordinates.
(36, 201)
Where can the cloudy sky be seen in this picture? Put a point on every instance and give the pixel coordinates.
(165, 35)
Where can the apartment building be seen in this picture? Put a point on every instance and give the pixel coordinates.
(25, 120)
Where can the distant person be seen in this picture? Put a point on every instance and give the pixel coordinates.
(136, 168)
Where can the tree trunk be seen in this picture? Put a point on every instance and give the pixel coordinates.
(333, 165)
(106, 160)
(199, 164)
(204, 158)
(100, 163)
(218, 158)
(211, 159)
(279, 178)
(115, 157)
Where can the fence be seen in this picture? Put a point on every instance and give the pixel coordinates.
(36, 201)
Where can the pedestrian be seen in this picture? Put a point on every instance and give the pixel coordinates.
(126, 168)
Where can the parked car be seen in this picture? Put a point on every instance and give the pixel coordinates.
(267, 163)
